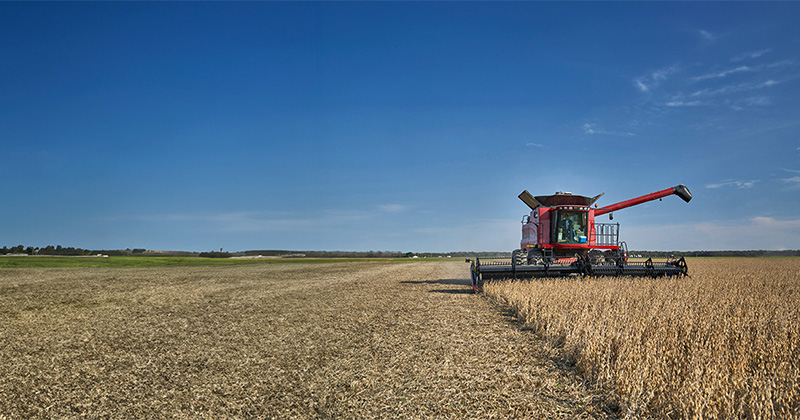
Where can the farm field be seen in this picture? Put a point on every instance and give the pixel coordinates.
(273, 340)
(724, 343)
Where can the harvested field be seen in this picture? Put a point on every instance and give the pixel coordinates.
(724, 343)
(336, 340)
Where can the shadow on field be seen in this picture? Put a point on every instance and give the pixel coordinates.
(464, 291)
(460, 282)
(466, 283)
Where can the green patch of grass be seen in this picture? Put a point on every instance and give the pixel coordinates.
(149, 261)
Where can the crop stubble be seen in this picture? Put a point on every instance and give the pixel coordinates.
(363, 340)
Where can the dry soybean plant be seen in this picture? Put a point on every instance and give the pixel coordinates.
(724, 343)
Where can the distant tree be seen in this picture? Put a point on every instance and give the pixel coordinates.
(215, 254)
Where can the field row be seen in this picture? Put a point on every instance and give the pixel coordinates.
(271, 341)
(724, 343)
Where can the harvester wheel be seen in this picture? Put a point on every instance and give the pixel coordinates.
(536, 258)
(681, 263)
(520, 256)
(649, 269)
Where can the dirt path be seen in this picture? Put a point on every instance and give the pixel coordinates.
(363, 340)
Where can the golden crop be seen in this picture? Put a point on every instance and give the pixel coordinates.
(724, 343)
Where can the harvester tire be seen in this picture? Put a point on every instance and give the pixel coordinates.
(520, 256)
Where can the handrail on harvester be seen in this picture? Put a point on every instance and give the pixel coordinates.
(679, 190)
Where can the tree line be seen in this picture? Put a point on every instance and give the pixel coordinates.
(60, 250)
(48, 250)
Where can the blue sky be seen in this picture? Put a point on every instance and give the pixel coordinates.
(394, 126)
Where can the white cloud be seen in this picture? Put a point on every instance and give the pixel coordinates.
(683, 103)
(533, 144)
(663, 74)
(794, 182)
(724, 73)
(591, 129)
(742, 94)
(757, 101)
(735, 88)
(769, 221)
(781, 63)
(731, 183)
(708, 36)
(751, 55)
(392, 208)
(647, 82)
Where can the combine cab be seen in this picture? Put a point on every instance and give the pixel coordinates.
(560, 237)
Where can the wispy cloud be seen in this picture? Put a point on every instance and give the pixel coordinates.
(649, 81)
(741, 87)
(757, 101)
(683, 103)
(706, 35)
(782, 63)
(732, 183)
(533, 144)
(769, 221)
(724, 73)
(392, 208)
(736, 87)
(794, 182)
(592, 129)
(750, 55)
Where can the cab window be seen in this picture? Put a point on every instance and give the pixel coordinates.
(571, 227)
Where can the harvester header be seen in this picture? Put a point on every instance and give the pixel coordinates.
(561, 237)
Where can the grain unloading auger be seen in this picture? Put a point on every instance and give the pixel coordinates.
(560, 237)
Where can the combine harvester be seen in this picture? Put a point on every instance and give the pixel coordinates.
(560, 238)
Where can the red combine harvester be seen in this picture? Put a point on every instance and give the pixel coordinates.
(560, 237)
